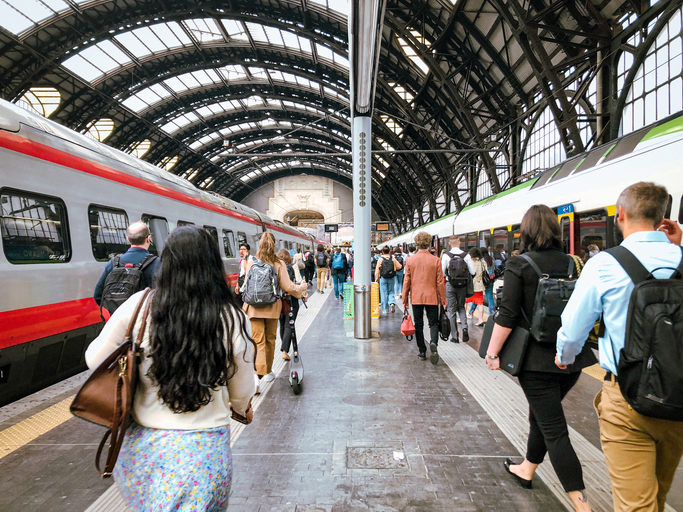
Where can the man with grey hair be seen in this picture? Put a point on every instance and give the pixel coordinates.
(642, 452)
(138, 256)
(456, 295)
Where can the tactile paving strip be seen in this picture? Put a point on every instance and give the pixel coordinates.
(18, 435)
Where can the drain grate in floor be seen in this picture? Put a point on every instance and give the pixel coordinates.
(376, 458)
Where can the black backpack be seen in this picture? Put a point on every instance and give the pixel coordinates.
(310, 260)
(457, 272)
(321, 259)
(551, 298)
(650, 370)
(122, 282)
(387, 270)
(399, 258)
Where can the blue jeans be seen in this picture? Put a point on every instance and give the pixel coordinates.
(338, 281)
(398, 281)
(386, 293)
(489, 299)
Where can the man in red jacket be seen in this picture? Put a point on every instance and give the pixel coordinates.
(424, 286)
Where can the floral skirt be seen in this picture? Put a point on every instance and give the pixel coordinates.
(175, 470)
(477, 298)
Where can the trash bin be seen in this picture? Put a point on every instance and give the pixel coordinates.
(362, 323)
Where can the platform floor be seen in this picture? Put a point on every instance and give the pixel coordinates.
(374, 429)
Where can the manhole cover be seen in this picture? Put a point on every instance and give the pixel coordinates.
(375, 458)
(364, 400)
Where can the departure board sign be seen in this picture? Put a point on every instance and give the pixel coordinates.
(382, 227)
(331, 228)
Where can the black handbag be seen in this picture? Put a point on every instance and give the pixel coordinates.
(444, 325)
(512, 354)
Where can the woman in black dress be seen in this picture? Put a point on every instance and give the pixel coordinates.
(543, 383)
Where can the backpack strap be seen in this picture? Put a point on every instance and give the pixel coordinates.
(115, 261)
(679, 268)
(531, 262)
(147, 262)
(572, 267)
(634, 268)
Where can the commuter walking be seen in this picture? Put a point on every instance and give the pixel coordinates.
(477, 300)
(289, 303)
(385, 272)
(457, 268)
(491, 270)
(424, 288)
(298, 265)
(398, 280)
(321, 263)
(309, 261)
(198, 364)
(642, 451)
(340, 267)
(108, 289)
(245, 258)
(264, 319)
(543, 383)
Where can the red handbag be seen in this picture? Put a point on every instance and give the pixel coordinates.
(407, 327)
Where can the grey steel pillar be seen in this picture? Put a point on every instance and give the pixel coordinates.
(361, 137)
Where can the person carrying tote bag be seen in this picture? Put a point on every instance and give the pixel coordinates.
(194, 371)
(543, 383)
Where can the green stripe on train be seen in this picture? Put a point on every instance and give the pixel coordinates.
(673, 126)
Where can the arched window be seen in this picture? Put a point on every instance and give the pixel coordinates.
(43, 100)
(101, 129)
(657, 89)
(139, 149)
(168, 162)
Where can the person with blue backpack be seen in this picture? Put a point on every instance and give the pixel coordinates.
(636, 289)
(340, 266)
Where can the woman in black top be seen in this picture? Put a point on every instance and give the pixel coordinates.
(543, 383)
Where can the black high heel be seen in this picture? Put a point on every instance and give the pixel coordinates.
(522, 481)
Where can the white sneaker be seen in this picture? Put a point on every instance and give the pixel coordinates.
(269, 378)
(256, 379)
(469, 316)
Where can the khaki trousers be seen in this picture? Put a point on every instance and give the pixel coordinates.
(264, 333)
(322, 278)
(642, 453)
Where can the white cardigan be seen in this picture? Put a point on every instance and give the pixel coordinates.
(148, 410)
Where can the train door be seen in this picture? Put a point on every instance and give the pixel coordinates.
(565, 216)
(158, 228)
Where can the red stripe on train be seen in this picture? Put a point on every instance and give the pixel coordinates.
(28, 147)
(24, 325)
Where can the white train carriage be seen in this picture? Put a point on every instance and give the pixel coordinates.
(583, 191)
(66, 201)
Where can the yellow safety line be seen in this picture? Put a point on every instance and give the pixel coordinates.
(16, 436)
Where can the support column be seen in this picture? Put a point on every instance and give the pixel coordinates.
(361, 139)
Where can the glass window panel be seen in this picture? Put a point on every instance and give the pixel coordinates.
(12, 20)
(166, 35)
(324, 51)
(176, 84)
(275, 36)
(158, 228)
(204, 30)
(133, 43)
(150, 39)
(228, 243)
(107, 232)
(34, 228)
(135, 104)
(82, 68)
(592, 229)
(257, 32)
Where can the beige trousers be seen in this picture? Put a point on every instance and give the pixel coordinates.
(264, 333)
(642, 453)
(322, 278)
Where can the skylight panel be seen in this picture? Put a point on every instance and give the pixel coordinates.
(411, 54)
(275, 36)
(402, 91)
(257, 32)
(83, 68)
(304, 44)
(17, 22)
(232, 72)
(149, 40)
(135, 104)
(204, 30)
(235, 30)
(392, 124)
(253, 101)
(166, 36)
(341, 60)
(206, 111)
(179, 122)
(106, 56)
(324, 52)
(133, 43)
(176, 84)
(259, 73)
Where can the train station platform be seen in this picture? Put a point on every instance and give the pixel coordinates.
(374, 429)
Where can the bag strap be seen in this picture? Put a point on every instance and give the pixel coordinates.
(572, 267)
(634, 268)
(147, 262)
(115, 262)
(533, 264)
(119, 421)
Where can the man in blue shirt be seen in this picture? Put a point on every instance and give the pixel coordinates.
(642, 453)
(139, 238)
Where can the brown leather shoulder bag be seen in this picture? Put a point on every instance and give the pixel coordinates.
(106, 398)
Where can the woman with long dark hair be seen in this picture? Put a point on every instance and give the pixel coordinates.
(543, 383)
(477, 300)
(197, 361)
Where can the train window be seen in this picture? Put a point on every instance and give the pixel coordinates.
(213, 232)
(591, 160)
(158, 228)
(229, 243)
(500, 239)
(185, 223)
(515, 238)
(545, 177)
(565, 226)
(34, 228)
(567, 168)
(469, 242)
(107, 231)
(627, 144)
(667, 215)
(592, 229)
(241, 239)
